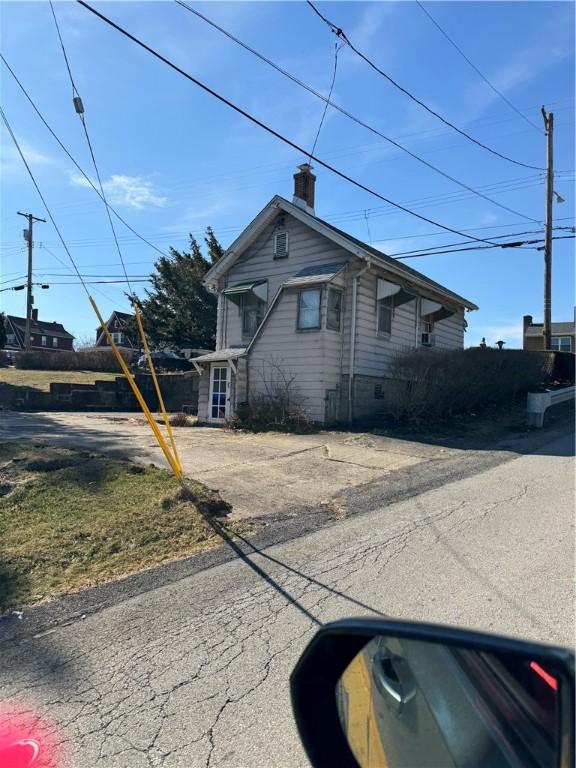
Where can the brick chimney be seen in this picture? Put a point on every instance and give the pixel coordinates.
(304, 184)
(527, 322)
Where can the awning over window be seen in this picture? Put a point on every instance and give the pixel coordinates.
(398, 295)
(257, 287)
(222, 355)
(442, 314)
(434, 311)
(319, 273)
(429, 307)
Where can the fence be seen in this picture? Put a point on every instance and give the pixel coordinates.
(539, 402)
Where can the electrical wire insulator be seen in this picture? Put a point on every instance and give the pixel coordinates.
(78, 106)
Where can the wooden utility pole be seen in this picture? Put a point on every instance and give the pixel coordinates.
(29, 298)
(549, 130)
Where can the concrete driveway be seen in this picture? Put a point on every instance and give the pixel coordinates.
(258, 475)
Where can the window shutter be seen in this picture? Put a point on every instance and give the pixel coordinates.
(281, 245)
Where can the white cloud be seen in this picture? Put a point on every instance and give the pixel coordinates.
(368, 28)
(11, 162)
(127, 191)
(523, 67)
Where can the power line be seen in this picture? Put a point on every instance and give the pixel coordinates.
(97, 290)
(63, 147)
(346, 113)
(522, 245)
(267, 128)
(475, 68)
(464, 242)
(341, 34)
(89, 277)
(341, 217)
(48, 211)
(336, 50)
(390, 239)
(80, 111)
(101, 282)
(13, 279)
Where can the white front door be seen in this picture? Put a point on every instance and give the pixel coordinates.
(219, 402)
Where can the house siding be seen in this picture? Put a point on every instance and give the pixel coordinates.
(375, 352)
(305, 248)
(318, 361)
(203, 395)
(306, 357)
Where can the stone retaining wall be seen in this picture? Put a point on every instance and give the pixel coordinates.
(179, 392)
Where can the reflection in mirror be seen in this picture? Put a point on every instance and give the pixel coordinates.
(416, 704)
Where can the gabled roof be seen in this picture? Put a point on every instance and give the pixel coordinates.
(343, 239)
(39, 327)
(121, 316)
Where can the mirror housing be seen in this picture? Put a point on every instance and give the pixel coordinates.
(320, 668)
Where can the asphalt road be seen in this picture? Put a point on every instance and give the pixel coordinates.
(195, 673)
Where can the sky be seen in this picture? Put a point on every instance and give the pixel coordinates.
(174, 160)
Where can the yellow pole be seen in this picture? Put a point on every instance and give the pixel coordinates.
(157, 385)
(122, 363)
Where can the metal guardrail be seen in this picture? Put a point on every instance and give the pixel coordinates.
(539, 402)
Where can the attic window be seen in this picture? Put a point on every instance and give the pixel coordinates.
(281, 245)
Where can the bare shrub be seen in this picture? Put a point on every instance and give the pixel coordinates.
(277, 405)
(180, 420)
(432, 386)
(83, 360)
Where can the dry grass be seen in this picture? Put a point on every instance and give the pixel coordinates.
(42, 379)
(73, 519)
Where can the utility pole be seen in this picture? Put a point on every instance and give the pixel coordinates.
(29, 298)
(549, 130)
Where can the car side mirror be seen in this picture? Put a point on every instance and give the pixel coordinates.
(393, 694)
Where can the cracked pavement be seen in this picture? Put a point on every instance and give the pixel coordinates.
(195, 673)
(259, 474)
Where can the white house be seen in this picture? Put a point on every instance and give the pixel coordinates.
(299, 298)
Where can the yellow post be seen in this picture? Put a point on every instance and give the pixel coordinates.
(156, 385)
(122, 363)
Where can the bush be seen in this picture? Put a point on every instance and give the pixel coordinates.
(276, 406)
(180, 419)
(84, 360)
(267, 414)
(432, 386)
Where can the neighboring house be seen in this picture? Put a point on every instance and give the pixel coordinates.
(563, 335)
(300, 299)
(115, 325)
(43, 335)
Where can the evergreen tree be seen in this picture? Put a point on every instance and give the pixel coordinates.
(178, 311)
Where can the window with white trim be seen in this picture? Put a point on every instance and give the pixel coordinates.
(55, 341)
(281, 244)
(118, 337)
(309, 308)
(561, 343)
(11, 338)
(334, 309)
(44, 341)
(385, 309)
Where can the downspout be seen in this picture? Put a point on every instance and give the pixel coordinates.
(355, 280)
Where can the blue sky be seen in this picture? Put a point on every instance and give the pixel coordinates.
(175, 160)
